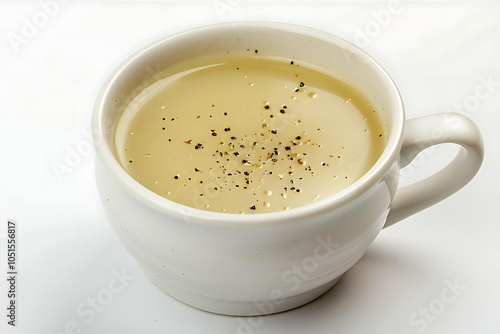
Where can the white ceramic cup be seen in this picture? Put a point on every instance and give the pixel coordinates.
(265, 263)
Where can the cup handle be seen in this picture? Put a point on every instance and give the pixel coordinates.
(423, 132)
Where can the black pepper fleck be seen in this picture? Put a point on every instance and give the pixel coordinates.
(252, 207)
(302, 84)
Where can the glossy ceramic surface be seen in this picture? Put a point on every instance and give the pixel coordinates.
(267, 263)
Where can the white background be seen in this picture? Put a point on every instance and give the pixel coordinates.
(439, 53)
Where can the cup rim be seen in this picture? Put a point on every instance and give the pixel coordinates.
(193, 215)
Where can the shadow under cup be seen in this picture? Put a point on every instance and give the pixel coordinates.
(257, 263)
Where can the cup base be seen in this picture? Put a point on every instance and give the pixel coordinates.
(240, 308)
